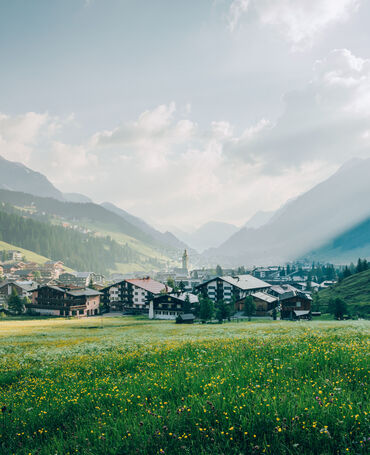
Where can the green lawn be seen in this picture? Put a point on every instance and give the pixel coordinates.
(128, 385)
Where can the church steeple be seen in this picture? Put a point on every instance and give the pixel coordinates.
(185, 260)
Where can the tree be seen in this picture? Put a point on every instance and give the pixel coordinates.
(222, 310)
(36, 275)
(15, 303)
(219, 271)
(316, 301)
(338, 307)
(171, 283)
(206, 309)
(274, 314)
(187, 304)
(182, 286)
(249, 306)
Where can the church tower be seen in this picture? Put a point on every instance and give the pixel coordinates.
(185, 260)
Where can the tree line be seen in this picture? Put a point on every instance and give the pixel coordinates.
(78, 251)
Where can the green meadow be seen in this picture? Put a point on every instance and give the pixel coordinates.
(132, 386)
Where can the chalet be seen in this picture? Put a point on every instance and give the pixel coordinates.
(65, 301)
(14, 255)
(267, 273)
(228, 288)
(170, 306)
(82, 279)
(9, 268)
(265, 303)
(22, 288)
(187, 318)
(133, 295)
(295, 305)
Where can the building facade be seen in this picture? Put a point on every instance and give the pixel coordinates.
(133, 295)
(230, 288)
(65, 301)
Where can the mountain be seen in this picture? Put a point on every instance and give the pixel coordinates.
(355, 290)
(346, 247)
(211, 234)
(305, 223)
(259, 219)
(76, 197)
(166, 238)
(17, 177)
(70, 207)
(77, 250)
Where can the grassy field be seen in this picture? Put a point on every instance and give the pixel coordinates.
(131, 386)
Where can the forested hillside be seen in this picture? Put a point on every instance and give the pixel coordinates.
(354, 290)
(76, 250)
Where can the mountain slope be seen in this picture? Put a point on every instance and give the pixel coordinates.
(17, 177)
(211, 234)
(165, 238)
(355, 290)
(306, 222)
(259, 219)
(346, 247)
(78, 251)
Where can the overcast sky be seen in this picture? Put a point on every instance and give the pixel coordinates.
(183, 112)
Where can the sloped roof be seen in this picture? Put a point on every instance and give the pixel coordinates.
(301, 312)
(263, 296)
(87, 292)
(148, 284)
(181, 296)
(283, 288)
(186, 317)
(246, 282)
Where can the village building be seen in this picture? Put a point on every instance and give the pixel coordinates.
(295, 305)
(133, 295)
(80, 279)
(13, 255)
(65, 301)
(264, 303)
(170, 306)
(22, 288)
(228, 288)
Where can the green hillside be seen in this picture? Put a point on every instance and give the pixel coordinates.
(29, 255)
(78, 251)
(355, 290)
(145, 253)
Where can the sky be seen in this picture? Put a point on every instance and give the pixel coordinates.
(182, 112)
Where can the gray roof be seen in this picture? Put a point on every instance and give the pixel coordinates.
(187, 317)
(301, 312)
(263, 296)
(246, 282)
(81, 292)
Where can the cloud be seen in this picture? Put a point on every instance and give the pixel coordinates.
(328, 120)
(299, 21)
(167, 168)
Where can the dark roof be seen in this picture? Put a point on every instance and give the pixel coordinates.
(179, 296)
(187, 317)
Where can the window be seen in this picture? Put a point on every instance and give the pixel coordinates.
(298, 304)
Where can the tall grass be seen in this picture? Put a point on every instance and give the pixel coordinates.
(154, 387)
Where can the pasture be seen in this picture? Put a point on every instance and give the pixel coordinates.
(132, 386)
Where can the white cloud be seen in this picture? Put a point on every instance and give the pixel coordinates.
(166, 168)
(299, 21)
(327, 120)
